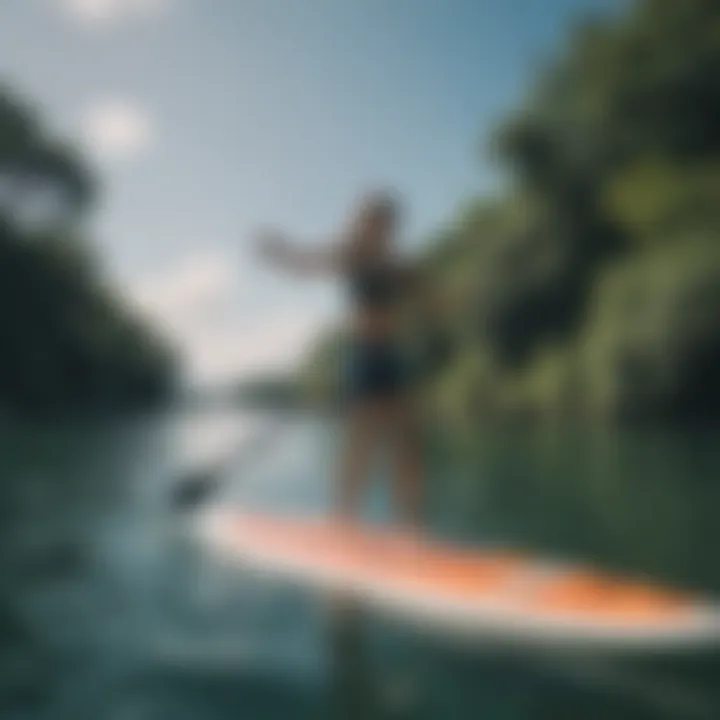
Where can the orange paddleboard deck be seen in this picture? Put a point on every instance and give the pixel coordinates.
(474, 591)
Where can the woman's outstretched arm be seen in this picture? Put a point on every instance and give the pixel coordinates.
(279, 251)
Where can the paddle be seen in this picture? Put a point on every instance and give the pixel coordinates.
(196, 485)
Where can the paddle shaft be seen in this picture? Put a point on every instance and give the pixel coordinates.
(195, 486)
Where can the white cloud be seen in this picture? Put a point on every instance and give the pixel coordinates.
(199, 304)
(116, 129)
(276, 343)
(99, 12)
(183, 295)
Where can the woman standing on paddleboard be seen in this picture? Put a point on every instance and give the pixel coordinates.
(377, 382)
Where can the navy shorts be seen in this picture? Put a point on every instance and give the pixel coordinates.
(375, 371)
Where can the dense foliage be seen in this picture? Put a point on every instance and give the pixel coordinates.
(592, 283)
(67, 341)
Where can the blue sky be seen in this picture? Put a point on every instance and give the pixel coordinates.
(208, 118)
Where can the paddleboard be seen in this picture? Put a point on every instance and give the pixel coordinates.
(485, 592)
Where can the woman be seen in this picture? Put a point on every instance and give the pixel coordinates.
(377, 384)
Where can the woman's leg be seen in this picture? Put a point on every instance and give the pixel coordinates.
(408, 480)
(361, 436)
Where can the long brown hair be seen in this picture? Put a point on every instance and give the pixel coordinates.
(379, 206)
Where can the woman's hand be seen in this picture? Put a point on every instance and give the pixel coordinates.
(275, 248)
(271, 245)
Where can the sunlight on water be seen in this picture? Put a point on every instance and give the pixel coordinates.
(210, 436)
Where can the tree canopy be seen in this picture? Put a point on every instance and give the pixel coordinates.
(68, 342)
(592, 283)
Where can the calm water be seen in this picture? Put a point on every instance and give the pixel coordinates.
(110, 610)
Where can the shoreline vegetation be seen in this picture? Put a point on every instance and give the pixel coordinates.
(70, 343)
(591, 286)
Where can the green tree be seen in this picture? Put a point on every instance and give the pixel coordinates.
(67, 341)
(590, 283)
